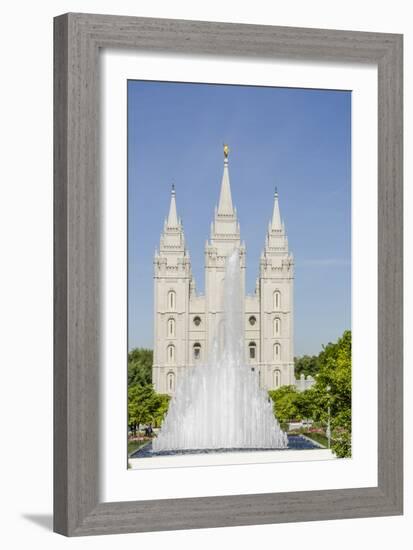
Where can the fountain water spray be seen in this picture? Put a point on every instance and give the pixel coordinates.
(219, 405)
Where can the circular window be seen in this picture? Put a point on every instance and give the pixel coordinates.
(252, 320)
(197, 321)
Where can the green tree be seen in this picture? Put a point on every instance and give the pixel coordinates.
(162, 406)
(333, 390)
(139, 405)
(306, 364)
(140, 362)
(145, 406)
(286, 403)
(305, 404)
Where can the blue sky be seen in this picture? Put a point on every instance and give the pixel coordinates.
(298, 140)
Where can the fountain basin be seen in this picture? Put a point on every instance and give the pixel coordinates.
(297, 451)
(295, 442)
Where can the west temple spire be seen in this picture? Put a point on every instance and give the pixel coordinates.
(172, 216)
(172, 237)
(172, 256)
(225, 207)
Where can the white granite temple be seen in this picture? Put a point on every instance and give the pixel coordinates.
(187, 322)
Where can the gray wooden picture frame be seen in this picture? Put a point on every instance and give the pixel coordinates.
(78, 39)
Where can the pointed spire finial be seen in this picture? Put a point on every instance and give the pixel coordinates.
(172, 220)
(225, 200)
(226, 152)
(276, 216)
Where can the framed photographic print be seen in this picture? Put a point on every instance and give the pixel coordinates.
(228, 274)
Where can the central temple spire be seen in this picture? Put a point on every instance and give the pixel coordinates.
(225, 207)
(225, 231)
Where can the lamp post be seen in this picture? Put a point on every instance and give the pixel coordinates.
(328, 431)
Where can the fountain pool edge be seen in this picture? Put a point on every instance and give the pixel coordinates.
(230, 458)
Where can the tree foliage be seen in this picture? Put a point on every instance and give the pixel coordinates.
(333, 389)
(330, 393)
(307, 365)
(145, 406)
(140, 366)
(286, 400)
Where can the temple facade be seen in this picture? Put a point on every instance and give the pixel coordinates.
(187, 322)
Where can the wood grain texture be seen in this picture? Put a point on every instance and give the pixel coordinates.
(78, 39)
(60, 277)
(390, 273)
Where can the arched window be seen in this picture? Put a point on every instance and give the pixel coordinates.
(276, 378)
(171, 328)
(277, 300)
(197, 351)
(277, 351)
(197, 321)
(171, 300)
(277, 326)
(252, 320)
(252, 346)
(170, 382)
(170, 354)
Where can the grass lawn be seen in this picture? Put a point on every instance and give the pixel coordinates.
(319, 438)
(133, 445)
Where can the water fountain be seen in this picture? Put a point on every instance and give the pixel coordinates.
(219, 405)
